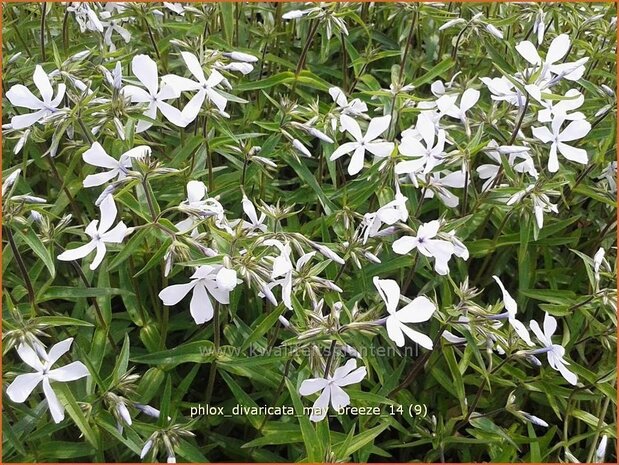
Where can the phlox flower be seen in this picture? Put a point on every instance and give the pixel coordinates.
(112, 25)
(518, 158)
(439, 182)
(573, 99)
(145, 69)
(388, 214)
(503, 89)
(558, 48)
(331, 388)
(447, 105)
(23, 385)
(205, 87)
(20, 96)
(427, 245)
(558, 138)
(356, 107)
(198, 207)
(511, 308)
(541, 203)
(100, 234)
(97, 156)
(255, 222)
(554, 352)
(370, 141)
(214, 280)
(426, 155)
(420, 309)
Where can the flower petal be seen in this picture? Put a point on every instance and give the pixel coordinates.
(528, 51)
(70, 372)
(79, 252)
(420, 309)
(41, 80)
(573, 153)
(108, 213)
(145, 69)
(558, 48)
(575, 130)
(27, 120)
(172, 295)
(339, 398)
(404, 245)
(22, 386)
(55, 407)
(100, 255)
(311, 386)
(377, 126)
(350, 125)
(380, 149)
(394, 331)
(415, 336)
(354, 377)
(510, 304)
(97, 156)
(20, 96)
(29, 356)
(321, 406)
(389, 290)
(172, 114)
(343, 149)
(356, 161)
(194, 66)
(200, 306)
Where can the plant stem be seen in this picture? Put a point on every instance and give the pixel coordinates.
(42, 36)
(213, 369)
(330, 358)
(22, 268)
(308, 42)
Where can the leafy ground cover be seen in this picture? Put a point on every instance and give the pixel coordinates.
(283, 232)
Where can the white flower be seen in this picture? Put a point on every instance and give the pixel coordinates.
(198, 207)
(610, 174)
(558, 138)
(554, 352)
(100, 234)
(494, 31)
(115, 77)
(240, 56)
(425, 243)
(254, 222)
(427, 156)
(355, 107)
(369, 141)
(113, 25)
(19, 390)
(388, 214)
(533, 419)
(295, 14)
(512, 307)
(573, 99)
(331, 388)
(418, 310)
(556, 51)
(215, 280)
(85, 16)
(97, 156)
(539, 27)
(439, 182)
(177, 8)
(447, 105)
(503, 89)
(145, 69)
(489, 171)
(541, 203)
(205, 87)
(281, 274)
(451, 23)
(600, 452)
(20, 96)
(598, 261)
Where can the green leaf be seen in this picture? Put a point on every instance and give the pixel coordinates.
(33, 241)
(195, 352)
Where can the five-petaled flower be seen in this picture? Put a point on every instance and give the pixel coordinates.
(420, 309)
(23, 385)
(20, 96)
(370, 141)
(331, 388)
(426, 243)
(554, 352)
(145, 69)
(217, 280)
(100, 234)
